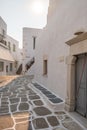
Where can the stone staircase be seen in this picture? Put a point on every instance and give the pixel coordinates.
(30, 63)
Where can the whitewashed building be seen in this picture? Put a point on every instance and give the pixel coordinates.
(6, 59)
(9, 52)
(56, 62)
(13, 46)
(61, 53)
(30, 36)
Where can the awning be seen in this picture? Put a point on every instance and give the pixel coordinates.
(5, 55)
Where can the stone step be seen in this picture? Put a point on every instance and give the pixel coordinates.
(53, 101)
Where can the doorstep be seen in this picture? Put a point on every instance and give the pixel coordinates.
(82, 120)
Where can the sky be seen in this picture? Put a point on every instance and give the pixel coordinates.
(23, 13)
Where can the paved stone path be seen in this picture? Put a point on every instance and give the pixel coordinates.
(22, 108)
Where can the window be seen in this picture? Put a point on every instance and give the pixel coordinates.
(11, 67)
(3, 32)
(1, 66)
(45, 67)
(9, 45)
(6, 68)
(34, 42)
(14, 48)
(4, 42)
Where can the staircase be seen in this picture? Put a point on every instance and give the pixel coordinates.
(19, 71)
(30, 63)
(28, 66)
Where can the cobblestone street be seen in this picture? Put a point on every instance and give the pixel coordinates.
(23, 108)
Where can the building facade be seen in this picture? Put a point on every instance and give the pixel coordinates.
(66, 20)
(59, 61)
(9, 54)
(30, 36)
(13, 46)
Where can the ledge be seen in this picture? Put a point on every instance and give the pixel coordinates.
(77, 39)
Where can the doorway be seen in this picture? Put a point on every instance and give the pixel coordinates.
(6, 68)
(81, 85)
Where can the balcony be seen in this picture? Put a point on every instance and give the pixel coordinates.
(3, 44)
(2, 41)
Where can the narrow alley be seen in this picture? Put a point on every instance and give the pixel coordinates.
(25, 105)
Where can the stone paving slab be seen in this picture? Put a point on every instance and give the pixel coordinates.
(13, 108)
(22, 108)
(42, 111)
(6, 122)
(38, 103)
(59, 128)
(53, 120)
(22, 126)
(40, 123)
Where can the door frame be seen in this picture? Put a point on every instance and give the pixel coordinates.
(78, 45)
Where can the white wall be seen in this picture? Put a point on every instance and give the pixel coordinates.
(65, 17)
(15, 54)
(3, 25)
(20, 56)
(28, 51)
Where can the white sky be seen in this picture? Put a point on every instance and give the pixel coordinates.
(19, 13)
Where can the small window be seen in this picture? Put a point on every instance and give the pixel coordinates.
(11, 67)
(45, 67)
(9, 45)
(6, 68)
(34, 42)
(3, 32)
(1, 66)
(14, 48)
(5, 43)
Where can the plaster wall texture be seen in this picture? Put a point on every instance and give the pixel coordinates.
(65, 17)
(28, 51)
